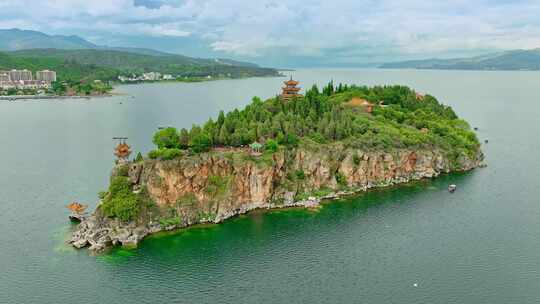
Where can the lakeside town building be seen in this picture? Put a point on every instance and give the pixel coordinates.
(4, 76)
(23, 79)
(20, 75)
(46, 75)
(150, 76)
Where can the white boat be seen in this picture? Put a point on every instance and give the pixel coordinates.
(452, 188)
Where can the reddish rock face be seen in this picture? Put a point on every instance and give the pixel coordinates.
(215, 186)
(411, 161)
(258, 184)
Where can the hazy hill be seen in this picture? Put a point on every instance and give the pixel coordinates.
(108, 64)
(31, 44)
(234, 62)
(510, 60)
(15, 39)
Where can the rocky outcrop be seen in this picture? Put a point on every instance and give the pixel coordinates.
(212, 187)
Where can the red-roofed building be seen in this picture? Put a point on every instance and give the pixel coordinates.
(290, 89)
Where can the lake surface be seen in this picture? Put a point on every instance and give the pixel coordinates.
(410, 244)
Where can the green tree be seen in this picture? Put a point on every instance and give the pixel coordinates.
(120, 201)
(139, 158)
(271, 146)
(184, 138)
(223, 137)
(221, 118)
(167, 138)
(201, 143)
(58, 88)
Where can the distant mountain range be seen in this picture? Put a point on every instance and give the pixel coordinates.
(16, 39)
(77, 58)
(507, 61)
(131, 62)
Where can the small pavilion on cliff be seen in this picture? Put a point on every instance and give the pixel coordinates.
(122, 150)
(77, 208)
(77, 211)
(290, 89)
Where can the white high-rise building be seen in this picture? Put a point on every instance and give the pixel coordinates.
(46, 75)
(18, 75)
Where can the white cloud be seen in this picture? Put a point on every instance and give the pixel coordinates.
(167, 29)
(307, 28)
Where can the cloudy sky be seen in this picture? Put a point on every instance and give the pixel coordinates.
(290, 33)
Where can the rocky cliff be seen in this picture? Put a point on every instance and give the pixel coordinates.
(214, 186)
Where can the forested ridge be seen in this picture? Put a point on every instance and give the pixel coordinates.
(92, 64)
(400, 118)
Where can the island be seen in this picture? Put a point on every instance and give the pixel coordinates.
(292, 150)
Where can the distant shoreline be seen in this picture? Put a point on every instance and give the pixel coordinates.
(193, 80)
(35, 97)
(111, 94)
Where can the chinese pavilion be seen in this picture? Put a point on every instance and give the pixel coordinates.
(77, 211)
(122, 150)
(290, 89)
(76, 207)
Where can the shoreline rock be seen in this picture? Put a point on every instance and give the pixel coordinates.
(210, 188)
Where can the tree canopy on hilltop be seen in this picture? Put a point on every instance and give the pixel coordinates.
(400, 119)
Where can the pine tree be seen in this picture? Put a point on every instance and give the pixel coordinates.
(184, 139)
(223, 138)
(221, 118)
(195, 131)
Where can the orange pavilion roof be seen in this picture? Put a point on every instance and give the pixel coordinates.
(291, 82)
(76, 207)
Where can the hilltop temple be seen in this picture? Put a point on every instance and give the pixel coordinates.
(290, 89)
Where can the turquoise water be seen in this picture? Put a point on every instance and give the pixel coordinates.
(410, 244)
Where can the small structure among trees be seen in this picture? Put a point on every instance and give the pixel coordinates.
(290, 89)
(361, 103)
(256, 148)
